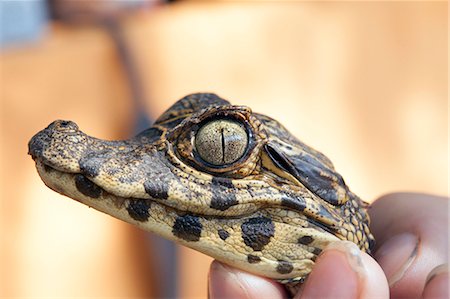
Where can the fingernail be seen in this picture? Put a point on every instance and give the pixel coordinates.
(339, 273)
(435, 272)
(396, 255)
(437, 283)
(353, 255)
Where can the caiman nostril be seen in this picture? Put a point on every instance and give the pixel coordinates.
(63, 126)
(64, 123)
(66, 126)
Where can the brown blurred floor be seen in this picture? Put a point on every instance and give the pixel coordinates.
(366, 83)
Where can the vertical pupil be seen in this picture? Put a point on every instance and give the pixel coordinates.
(223, 145)
(221, 142)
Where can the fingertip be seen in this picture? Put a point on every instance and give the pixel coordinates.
(375, 284)
(408, 228)
(437, 285)
(227, 282)
(396, 255)
(343, 271)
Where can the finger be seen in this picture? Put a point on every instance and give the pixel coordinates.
(411, 234)
(437, 285)
(227, 282)
(343, 271)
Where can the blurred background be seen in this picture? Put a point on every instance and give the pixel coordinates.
(365, 83)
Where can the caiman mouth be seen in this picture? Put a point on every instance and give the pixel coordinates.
(78, 187)
(81, 189)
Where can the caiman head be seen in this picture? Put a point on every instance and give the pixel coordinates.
(216, 177)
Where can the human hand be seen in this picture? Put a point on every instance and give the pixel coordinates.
(411, 233)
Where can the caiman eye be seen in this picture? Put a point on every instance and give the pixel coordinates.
(221, 142)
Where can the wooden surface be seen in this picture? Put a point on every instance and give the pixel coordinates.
(366, 83)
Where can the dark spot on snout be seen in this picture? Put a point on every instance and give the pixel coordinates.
(317, 251)
(284, 267)
(86, 187)
(188, 228)
(305, 240)
(253, 259)
(156, 189)
(223, 234)
(223, 196)
(138, 209)
(257, 232)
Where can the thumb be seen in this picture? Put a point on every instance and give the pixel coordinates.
(343, 271)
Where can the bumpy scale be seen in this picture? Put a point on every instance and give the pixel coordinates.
(215, 177)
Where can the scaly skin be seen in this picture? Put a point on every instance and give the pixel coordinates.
(269, 211)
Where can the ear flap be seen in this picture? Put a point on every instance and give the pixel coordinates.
(312, 173)
(187, 106)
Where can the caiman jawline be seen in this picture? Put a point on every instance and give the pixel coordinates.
(119, 201)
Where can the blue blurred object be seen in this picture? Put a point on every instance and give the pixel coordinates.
(22, 21)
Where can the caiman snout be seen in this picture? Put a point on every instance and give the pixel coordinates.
(59, 145)
(44, 137)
